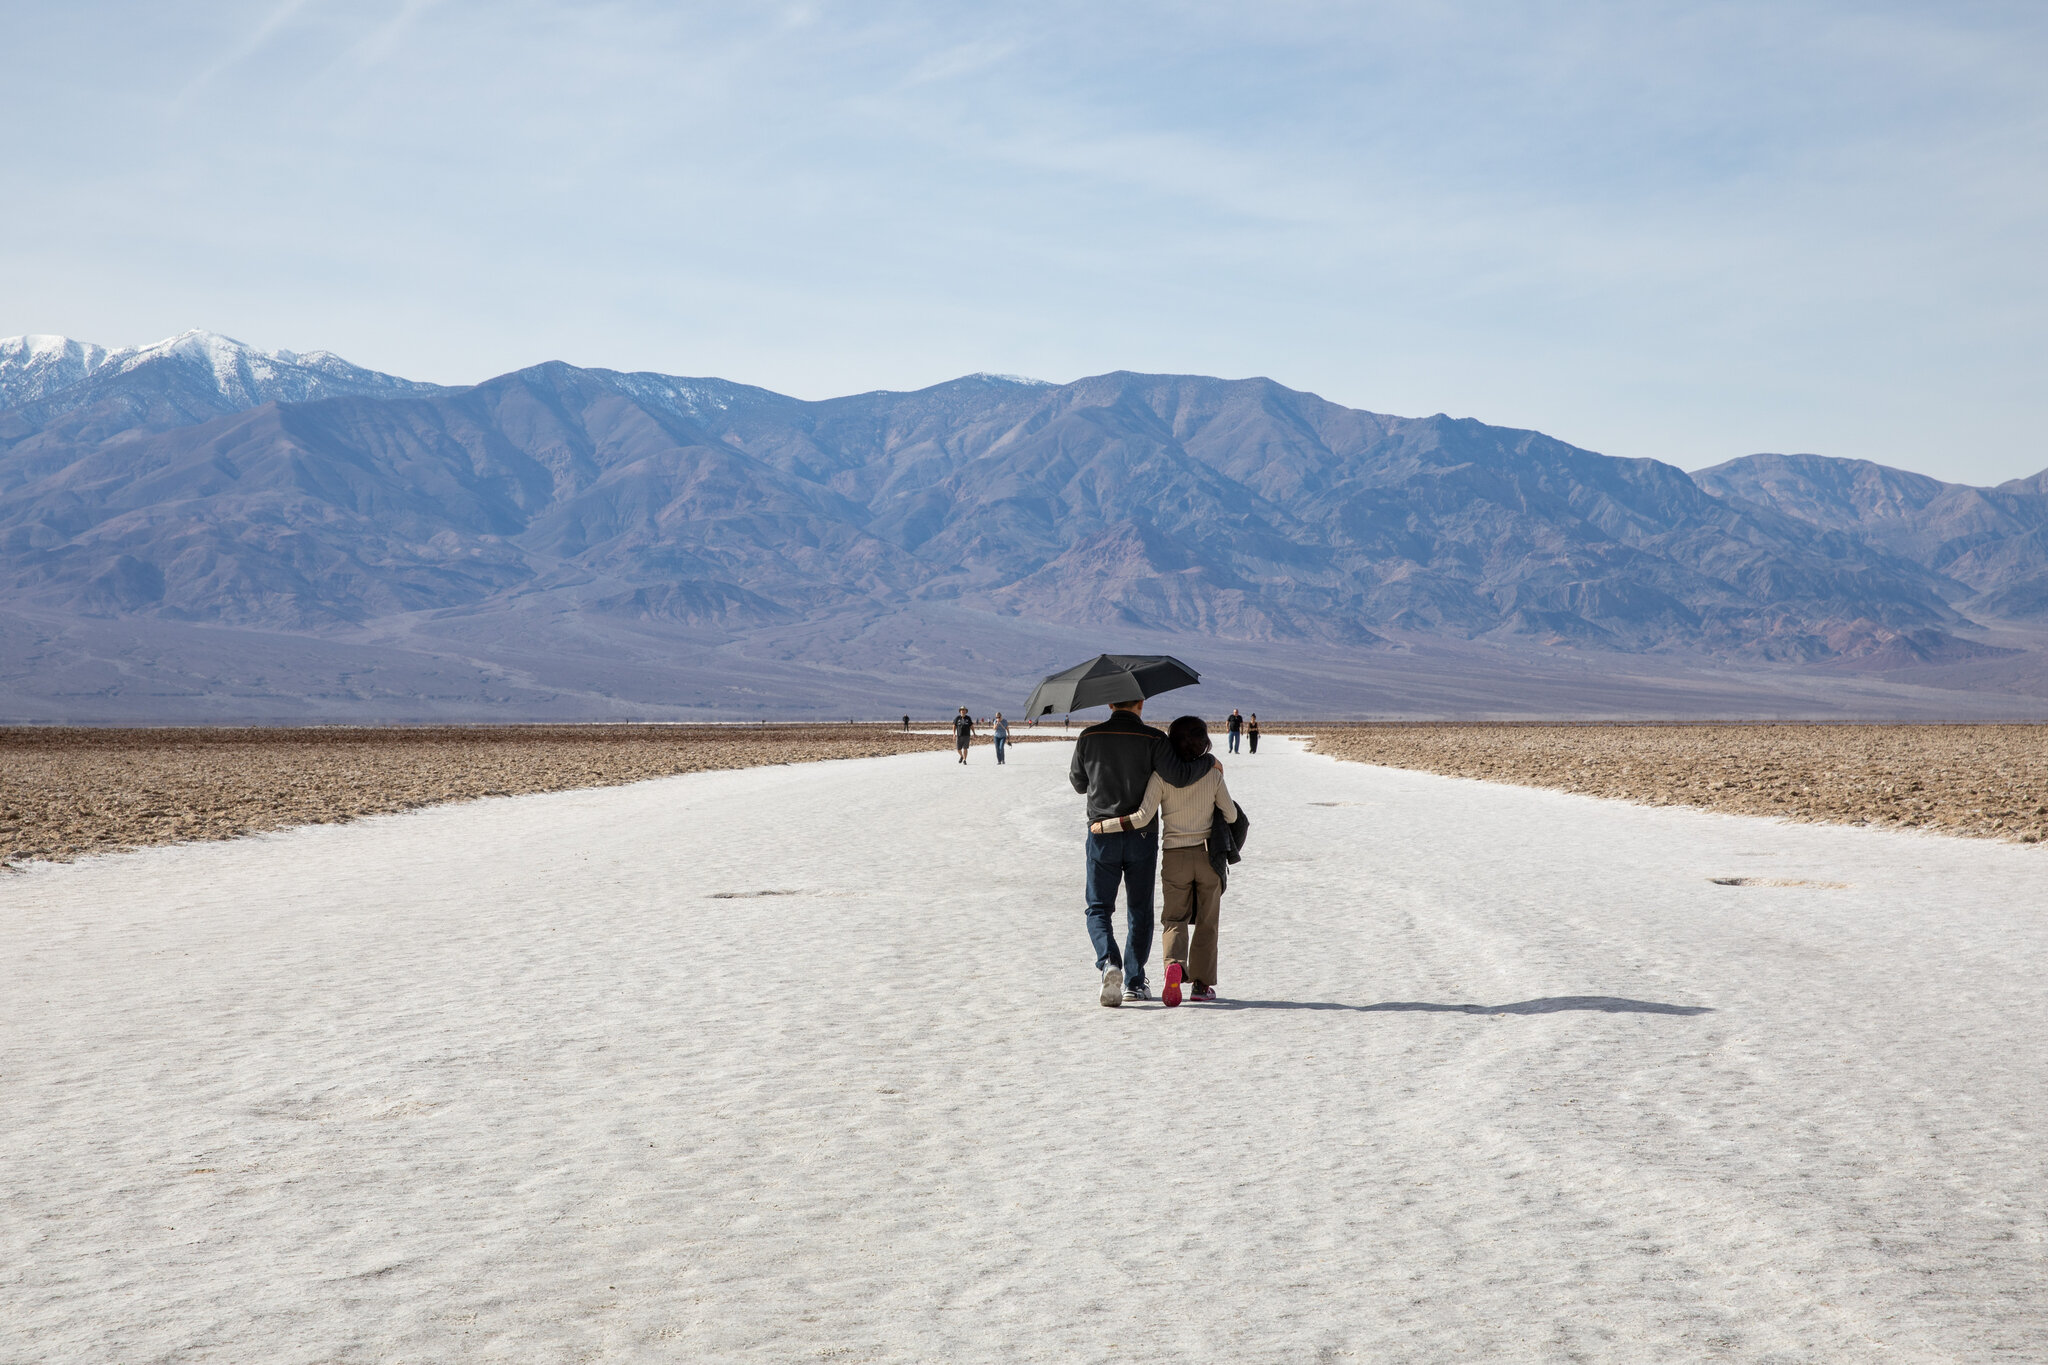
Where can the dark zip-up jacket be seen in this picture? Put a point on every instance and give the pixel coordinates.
(1114, 760)
(1226, 842)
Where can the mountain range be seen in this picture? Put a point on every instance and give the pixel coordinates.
(636, 541)
(1992, 542)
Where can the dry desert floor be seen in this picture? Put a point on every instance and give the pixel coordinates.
(66, 792)
(1988, 781)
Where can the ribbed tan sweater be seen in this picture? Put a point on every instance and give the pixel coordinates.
(1185, 811)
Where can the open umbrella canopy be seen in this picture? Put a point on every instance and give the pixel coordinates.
(1107, 679)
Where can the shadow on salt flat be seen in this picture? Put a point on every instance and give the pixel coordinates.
(1550, 1004)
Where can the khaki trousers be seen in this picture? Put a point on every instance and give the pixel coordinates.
(1193, 904)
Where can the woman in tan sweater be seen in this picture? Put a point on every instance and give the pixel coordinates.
(1194, 893)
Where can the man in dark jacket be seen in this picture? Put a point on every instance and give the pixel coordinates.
(1112, 763)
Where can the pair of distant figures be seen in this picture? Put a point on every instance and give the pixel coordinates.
(1145, 789)
(1239, 728)
(963, 733)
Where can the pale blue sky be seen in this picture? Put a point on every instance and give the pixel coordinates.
(1685, 231)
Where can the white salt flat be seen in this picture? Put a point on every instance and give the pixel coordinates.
(660, 1072)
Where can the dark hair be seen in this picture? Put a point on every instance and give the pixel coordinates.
(1189, 736)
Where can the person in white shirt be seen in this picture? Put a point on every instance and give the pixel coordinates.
(1193, 905)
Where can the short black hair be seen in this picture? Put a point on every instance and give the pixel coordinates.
(1189, 736)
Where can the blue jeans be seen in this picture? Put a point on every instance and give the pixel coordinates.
(1234, 737)
(1129, 857)
(1000, 742)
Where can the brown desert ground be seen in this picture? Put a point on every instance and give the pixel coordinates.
(1987, 781)
(65, 793)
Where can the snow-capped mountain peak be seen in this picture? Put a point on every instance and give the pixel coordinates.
(59, 374)
(1025, 380)
(34, 366)
(239, 370)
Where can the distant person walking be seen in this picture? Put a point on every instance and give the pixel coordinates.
(1251, 730)
(1235, 725)
(1113, 764)
(1002, 736)
(963, 732)
(1202, 829)
(906, 722)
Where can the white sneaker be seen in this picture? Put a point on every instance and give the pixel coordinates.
(1113, 986)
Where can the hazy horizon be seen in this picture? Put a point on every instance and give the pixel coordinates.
(974, 374)
(1671, 231)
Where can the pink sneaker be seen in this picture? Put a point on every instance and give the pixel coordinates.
(1205, 996)
(1171, 995)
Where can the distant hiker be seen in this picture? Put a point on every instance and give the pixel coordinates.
(1002, 735)
(1113, 764)
(963, 732)
(906, 722)
(1203, 829)
(1235, 725)
(1251, 730)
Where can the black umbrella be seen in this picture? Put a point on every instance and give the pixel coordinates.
(1109, 678)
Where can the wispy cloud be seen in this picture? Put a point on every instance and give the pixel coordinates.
(381, 42)
(243, 49)
(962, 59)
